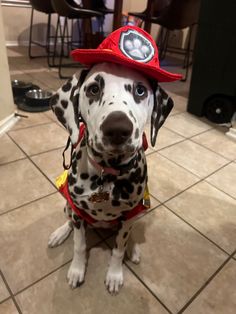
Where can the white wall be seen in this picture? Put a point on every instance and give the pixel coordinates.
(6, 98)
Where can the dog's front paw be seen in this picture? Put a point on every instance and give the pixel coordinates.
(114, 280)
(135, 254)
(76, 274)
(60, 235)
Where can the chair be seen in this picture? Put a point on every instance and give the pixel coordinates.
(43, 6)
(70, 11)
(98, 5)
(154, 8)
(178, 15)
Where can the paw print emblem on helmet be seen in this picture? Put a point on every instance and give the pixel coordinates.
(135, 46)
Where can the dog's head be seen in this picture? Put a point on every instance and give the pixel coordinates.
(115, 103)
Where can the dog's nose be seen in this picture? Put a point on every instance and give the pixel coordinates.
(117, 128)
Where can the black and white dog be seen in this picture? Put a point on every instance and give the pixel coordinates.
(115, 103)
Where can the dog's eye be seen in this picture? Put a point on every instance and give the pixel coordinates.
(93, 89)
(140, 90)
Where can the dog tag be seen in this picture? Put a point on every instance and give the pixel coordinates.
(99, 197)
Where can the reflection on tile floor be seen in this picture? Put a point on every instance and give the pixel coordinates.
(187, 240)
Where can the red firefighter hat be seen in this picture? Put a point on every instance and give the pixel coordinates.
(130, 46)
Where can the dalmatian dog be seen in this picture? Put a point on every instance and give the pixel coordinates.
(115, 103)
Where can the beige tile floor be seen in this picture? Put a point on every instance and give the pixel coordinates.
(187, 239)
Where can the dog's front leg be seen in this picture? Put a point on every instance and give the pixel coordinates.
(114, 277)
(76, 271)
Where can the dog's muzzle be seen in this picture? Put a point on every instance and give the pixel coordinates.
(117, 128)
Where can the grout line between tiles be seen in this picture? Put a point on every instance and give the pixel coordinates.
(191, 140)
(198, 231)
(4, 300)
(149, 289)
(31, 126)
(56, 269)
(142, 282)
(197, 176)
(12, 161)
(209, 280)
(26, 204)
(10, 292)
(30, 159)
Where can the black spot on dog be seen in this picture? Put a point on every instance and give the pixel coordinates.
(84, 176)
(128, 88)
(79, 154)
(60, 115)
(94, 177)
(94, 185)
(54, 100)
(93, 212)
(100, 80)
(135, 176)
(91, 100)
(115, 203)
(66, 87)
(136, 135)
(122, 189)
(139, 156)
(132, 116)
(125, 235)
(64, 104)
(109, 214)
(139, 190)
(124, 102)
(74, 167)
(75, 217)
(71, 179)
(78, 190)
(110, 103)
(103, 103)
(84, 205)
(99, 210)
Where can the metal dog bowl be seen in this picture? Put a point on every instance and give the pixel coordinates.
(38, 99)
(19, 88)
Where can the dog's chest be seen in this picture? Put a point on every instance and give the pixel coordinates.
(124, 191)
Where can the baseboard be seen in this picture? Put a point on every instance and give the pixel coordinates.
(7, 123)
(12, 43)
(232, 133)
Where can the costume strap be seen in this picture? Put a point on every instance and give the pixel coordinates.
(67, 166)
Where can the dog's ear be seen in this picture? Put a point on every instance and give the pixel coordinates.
(65, 104)
(162, 105)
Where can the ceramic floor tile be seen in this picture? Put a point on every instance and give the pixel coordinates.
(9, 150)
(3, 290)
(186, 125)
(225, 179)
(24, 236)
(57, 298)
(219, 296)
(8, 307)
(217, 141)
(166, 179)
(50, 163)
(175, 260)
(31, 120)
(20, 183)
(210, 211)
(194, 158)
(40, 138)
(165, 138)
